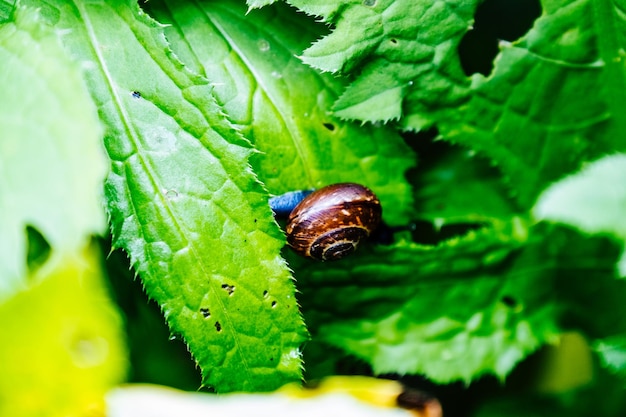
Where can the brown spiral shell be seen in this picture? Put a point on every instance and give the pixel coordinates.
(330, 222)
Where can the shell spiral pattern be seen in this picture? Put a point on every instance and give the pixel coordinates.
(329, 223)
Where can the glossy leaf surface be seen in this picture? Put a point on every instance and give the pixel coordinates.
(183, 201)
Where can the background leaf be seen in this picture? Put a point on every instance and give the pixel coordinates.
(61, 347)
(183, 201)
(469, 306)
(555, 98)
(403, 53)
(446, 311)
(612, 352)
(577, 200)
(51, 158)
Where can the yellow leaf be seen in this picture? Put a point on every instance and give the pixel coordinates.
(61, 344)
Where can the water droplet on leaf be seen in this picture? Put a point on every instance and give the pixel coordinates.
(263, 45)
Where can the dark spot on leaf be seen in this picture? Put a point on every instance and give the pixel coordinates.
(136, 94)
(509, 301)
(205, 313)
(255, 220)
(218, 326)
(393, 41)
(265, 294)
(38, 250)
(230, 289)
(329, 126)
(272, 359)
(273, 303)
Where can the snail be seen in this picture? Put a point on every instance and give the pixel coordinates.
(329, 223)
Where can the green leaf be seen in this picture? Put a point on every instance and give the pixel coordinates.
(183, 201)
(580, 198)
(555, 99)
(51, 158)
(403, 51)
(450, 311)
(591, 200)
(61, 346)
(6, 9)
(612, 352)
(472, 305)
(282, 105)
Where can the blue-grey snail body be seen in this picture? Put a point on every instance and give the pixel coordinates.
(329, 223)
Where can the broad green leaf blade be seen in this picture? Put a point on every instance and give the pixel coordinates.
(593, 200)
(183, 201)
(612, 353)
(61, 345)
(448, 311)
(556, 98)
(469, 306)
(51, 159)
(403, 52)
(281, 104)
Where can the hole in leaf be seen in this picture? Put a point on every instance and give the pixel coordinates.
(393, 41)
(230, 289)
(136, 94)
(509, 301)
(273, 303)
(218, 326)
(38, 249)
(265, 294)
(495, 20)
(205, 313)
(329, 126)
